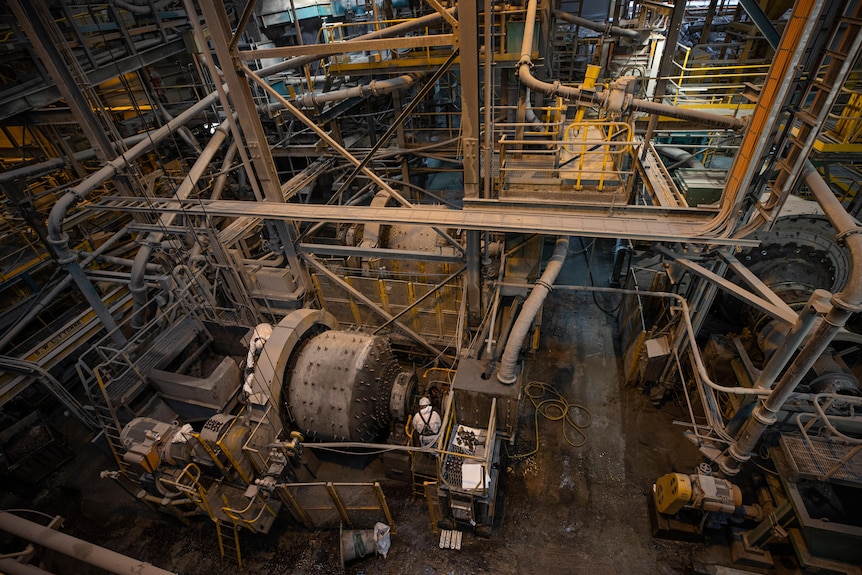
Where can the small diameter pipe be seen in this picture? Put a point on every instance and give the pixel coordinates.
(109, 170)
(508, 374)
(52, 165)
(77, 548)
(699, 365)
(604, 99)
(60, 240)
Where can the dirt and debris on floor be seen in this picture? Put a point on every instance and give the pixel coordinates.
(563, 509)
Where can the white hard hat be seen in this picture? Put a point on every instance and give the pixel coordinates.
(424, 401)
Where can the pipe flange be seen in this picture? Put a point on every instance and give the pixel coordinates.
(843, 304)
(839, 239)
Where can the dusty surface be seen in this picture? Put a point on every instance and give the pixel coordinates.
(564, 510)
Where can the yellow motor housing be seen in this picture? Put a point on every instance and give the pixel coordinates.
(672, 492)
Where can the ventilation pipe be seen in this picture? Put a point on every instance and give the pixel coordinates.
(844, 304)
(507, 374)
(138, 285)
(612, 100)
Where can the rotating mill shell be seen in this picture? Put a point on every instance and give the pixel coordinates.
(340, 387)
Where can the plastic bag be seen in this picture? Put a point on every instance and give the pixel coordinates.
(382, 539)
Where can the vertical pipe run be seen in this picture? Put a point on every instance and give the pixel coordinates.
(819, 300)
(844, 304)
(137, 284)
(507, 373)
(60, 241)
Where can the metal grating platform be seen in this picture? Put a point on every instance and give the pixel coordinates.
(823, 460)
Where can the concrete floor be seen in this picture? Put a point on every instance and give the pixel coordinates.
(564, 510)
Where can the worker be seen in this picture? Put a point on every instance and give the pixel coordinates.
(427, 423)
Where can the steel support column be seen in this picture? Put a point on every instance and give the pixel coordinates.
(666, 63)
(252, 130)
(40, 36)
(468, 36)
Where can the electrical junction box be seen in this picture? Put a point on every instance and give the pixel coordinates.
(653, 355)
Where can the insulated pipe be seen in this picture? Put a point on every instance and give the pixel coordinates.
(606, 99)
(77, 548)
(137, 284)
(373, 88)
(60, 241)
(396, 30)
(507, 374)
(844, 304)
(604, 28)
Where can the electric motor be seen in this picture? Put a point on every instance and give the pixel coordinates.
(674, 491)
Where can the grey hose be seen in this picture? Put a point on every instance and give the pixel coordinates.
(507, 373)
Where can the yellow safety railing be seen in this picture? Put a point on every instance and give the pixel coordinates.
(616, 141)
(712, 82)
(597, 154)
(848, 124)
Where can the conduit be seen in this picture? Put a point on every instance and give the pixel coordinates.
(844, 304)
(77, 548)
(373, 88)
(607, 99)
(507, 374)
(60, 241)
(138, 285)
